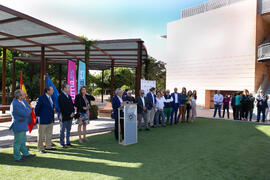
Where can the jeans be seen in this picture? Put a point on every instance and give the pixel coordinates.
(224, 109)
(19, 145)
(65, 127)
(250, 114)
(259, 111)
(237, 113)
(159, 114)
(167, 114)
(174, 113)
(188, 111)
(234, 112)
(244, 111)
(217, 107)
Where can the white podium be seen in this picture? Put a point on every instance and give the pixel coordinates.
(129, 118)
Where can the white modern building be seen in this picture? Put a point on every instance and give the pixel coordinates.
(220, 45)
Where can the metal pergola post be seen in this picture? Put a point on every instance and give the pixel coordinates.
(138, 69)
(13, 77)
(4, 68)
(87, 54)
(112, 80)
(60, 77)
(102, 86)
(42, 67)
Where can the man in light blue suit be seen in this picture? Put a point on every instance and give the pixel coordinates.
(21, 117)
(176, 103)
(151, 107)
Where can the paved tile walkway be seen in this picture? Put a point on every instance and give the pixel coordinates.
(95, 126)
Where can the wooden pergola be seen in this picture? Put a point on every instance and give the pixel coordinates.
(47, 44)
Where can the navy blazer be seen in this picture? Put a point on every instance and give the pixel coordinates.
(115, 105)
(179, 100)
(21, 115)
(66, 106)
(151, 101)
(44, 110)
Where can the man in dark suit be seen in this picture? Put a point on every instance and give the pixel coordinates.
(67, 113)
(151, 97)
(44, 111)
(142, 104)
(175, 105)
(117, 102)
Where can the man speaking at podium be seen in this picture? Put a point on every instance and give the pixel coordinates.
(118, 102)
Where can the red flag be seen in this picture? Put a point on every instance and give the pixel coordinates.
(33, 116)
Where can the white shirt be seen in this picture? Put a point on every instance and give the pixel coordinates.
(50, 99)
(161, 101)
(120, 99)
(65, 94)
(218, 99)
(143, 101)
(176, 97)
(153, 97)
(22, 103)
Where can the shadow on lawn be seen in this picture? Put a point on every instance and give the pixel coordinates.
(214, 149)
(104, 168)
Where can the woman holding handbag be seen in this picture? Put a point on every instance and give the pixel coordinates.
(83, 105)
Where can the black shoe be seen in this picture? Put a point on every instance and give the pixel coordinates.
(51, 149)
(152, 126)
(69, 145)
(140, 129)
(29, 156)
(63, 146)
(20, 160)
(147, 129)
(42, 152)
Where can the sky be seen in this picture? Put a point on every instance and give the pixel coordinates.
(109, 19)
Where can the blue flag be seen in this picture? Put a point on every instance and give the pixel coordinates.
(55, 93)
(81, 75)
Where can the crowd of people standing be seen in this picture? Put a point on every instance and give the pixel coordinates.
(242, 104)
(157, 108)
(44, 111)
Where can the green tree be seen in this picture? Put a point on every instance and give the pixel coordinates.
(125, 77)
(155, 70)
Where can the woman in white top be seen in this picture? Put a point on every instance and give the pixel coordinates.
(193, 105)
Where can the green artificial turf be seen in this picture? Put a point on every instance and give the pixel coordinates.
(206, 149)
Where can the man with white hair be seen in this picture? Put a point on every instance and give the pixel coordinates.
(142, 104)
(128, 98)
(117, 102)
(21, 117)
